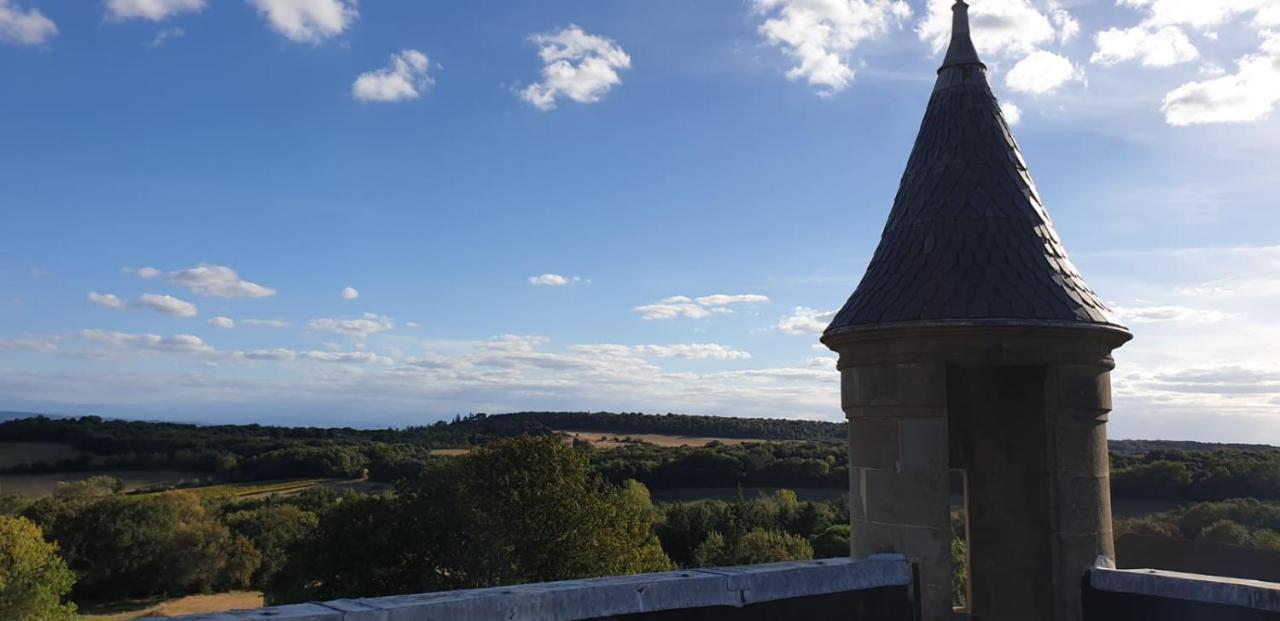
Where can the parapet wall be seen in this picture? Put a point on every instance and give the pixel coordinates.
(879, 588)
(1152, 595)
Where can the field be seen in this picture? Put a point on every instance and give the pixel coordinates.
(189, 605)
(15, 453)
(614, 439)
(40, 485)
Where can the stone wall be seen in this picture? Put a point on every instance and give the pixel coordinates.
(1151, 595)
(879, 588)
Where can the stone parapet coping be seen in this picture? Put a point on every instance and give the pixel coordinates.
(573, 600)
(1253, 594)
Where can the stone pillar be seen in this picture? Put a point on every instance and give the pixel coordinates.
(1080, 488)
(899, 471)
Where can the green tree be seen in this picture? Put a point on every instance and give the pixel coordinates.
(754, 546)
(33, 578)
(272, 529)
(833, 541)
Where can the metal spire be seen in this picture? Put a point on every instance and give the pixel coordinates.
(961, 50)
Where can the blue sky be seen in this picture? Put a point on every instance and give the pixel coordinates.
(188, 186)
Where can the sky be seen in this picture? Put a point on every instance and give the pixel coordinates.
(387, 213)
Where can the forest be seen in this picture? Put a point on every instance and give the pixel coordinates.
(521, 503)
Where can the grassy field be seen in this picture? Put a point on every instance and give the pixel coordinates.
(614, 439)
(16, 453)
(189, 605)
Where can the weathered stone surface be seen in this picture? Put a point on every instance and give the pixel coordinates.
(873, 443)
(727, 587)
(893, 384)
(1251, 594)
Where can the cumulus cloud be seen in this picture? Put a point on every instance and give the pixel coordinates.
(1153, 47)
(350, 293)
(553, 280)
(1012, 113)
(362, 357)
(153, 10)
(1042, 72)
(701, 308)
(167, 305)
(109, 300)
(264, 323)
(820, 36)
(1249, 94)
(804, 320)
(278, 355)
(362, 327)
(20, 26)
(721, 299)
(1146, 314)
(217, 281)
(30, 343)
(692, 351)
(1220, 380)
(405, 77)
(307, 21)
(576, 65)
(1000, 28)
(179, 343)
(222, 322)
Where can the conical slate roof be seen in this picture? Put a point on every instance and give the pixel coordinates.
(968, 239)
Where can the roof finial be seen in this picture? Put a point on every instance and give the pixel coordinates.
(961, 50)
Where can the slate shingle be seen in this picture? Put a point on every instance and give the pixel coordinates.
(969, 238)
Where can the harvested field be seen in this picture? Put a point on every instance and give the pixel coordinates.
(40, 485)
(189, 605)
(614, 439)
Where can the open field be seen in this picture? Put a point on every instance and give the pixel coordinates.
(614, 439)
(16, 453)
(189, 605)
(40, 485)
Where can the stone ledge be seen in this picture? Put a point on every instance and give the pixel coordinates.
(574, 600)
(1253, 594)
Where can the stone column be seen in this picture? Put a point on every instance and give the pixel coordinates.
(899, 471)
(1079, 401)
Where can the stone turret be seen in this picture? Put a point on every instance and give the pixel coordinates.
(972, 350)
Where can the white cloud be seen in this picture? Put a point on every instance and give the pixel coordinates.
(405, 77)
(165, 35)
(222, 322)
(30, 343)
(265, 323)
(1068, 26)
(804, 320)
(576, 65)
(1249, 94)
(720, 299)
(109, 300)
(148, 272)
(553, 280)
(217, 281)
(24, 27)
(180, 343)
(362, 327)
(1042, 72)
(307, 21)
(1012, 113)
(350, 293)
(167, 304)
(412, 324)
(820, 35)
(279, 355)
(154, 10)
(1000, 28)
(362, 357)
(1144, 314)
(1154, 47)
(692, 351)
